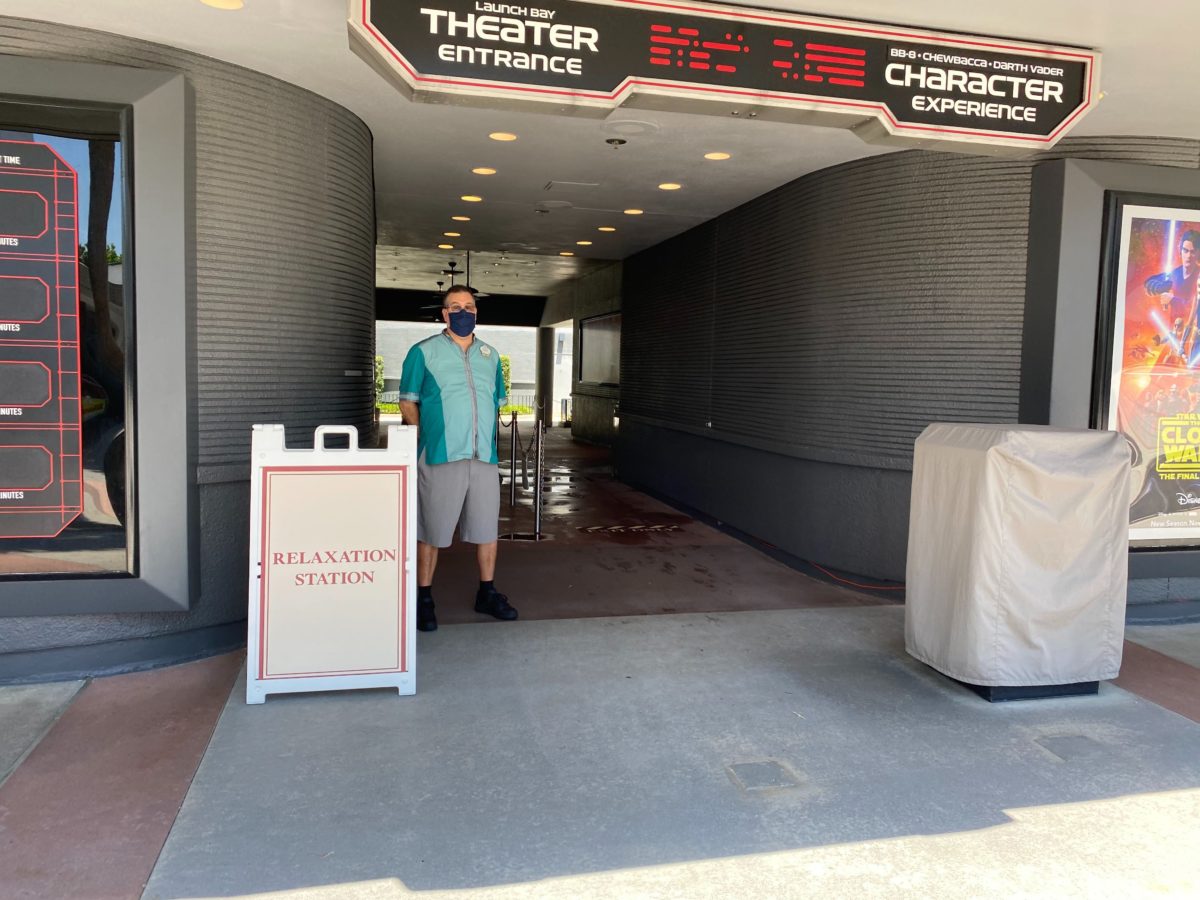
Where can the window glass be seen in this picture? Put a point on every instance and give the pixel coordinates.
(65, 354)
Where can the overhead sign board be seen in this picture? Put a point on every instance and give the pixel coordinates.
(891, 84)
(332, 564)
(41, 462)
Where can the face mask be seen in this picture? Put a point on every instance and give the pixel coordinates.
(462, 323)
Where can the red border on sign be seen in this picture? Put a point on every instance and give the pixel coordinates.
(45, 315)
(52, 520)
(401, 542)
(900, 127)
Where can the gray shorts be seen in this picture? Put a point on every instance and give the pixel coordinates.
(463, 493)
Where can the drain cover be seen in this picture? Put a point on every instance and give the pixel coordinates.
(757, 777)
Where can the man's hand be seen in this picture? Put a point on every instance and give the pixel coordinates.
(411, 412)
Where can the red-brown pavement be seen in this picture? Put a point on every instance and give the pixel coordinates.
(87, 812)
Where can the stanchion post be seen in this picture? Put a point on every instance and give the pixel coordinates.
(512, 466)
(540, 435)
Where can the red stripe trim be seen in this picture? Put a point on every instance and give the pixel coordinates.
(848, 51)
(820, 57)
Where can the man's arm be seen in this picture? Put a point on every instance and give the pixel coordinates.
(411, 412)
(411, 379)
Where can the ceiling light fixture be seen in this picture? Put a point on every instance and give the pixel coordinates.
(669, 186)
(445, 246)
(634, 212)
(471, 198)
(606, 228)
(502, 136)
(565, 253)
(483, 170)
(451, 234)
(224, 4)
(716, 155)
(583, 243)
(461, 218)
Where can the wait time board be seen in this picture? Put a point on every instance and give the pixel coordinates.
(891, 84)
(41, 463)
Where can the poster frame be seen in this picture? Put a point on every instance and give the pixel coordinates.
(1112, 253)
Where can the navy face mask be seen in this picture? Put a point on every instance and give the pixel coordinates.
(462, 322)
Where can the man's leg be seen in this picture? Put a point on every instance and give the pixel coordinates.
(441, 489)
(427, 557)
(481, 516)
(486, 554)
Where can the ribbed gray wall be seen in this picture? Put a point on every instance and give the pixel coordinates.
(838, 315)
(284, 267)
(830, 321)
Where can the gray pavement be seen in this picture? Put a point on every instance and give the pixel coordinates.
(601, 758)
(26, 714)
(1181, 642)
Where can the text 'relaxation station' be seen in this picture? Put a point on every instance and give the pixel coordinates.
(333, 567)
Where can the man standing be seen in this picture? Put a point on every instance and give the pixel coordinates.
(452, 388)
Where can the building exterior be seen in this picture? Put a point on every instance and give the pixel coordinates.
(781, 345)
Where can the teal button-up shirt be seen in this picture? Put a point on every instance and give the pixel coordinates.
(460, 393)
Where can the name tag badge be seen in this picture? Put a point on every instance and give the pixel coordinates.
(486, 351)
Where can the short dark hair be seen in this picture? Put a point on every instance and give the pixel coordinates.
(1191, 235)
(457, 289)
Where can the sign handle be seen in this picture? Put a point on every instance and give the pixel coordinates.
(324, 430)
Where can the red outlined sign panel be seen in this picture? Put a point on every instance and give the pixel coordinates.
(41, 447)
(890, 84)
(332, 601)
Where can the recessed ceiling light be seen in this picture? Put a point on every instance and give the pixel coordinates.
(451, 234)
(483, 170)
(445, 246)
(461, 218)
(565, 253)
(606, 228)
(669, 186)
(716, 156)
(583, 243)
(471, 198)
(502, 136)
(224, 4)
(634, 212)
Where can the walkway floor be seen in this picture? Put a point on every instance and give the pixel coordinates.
(769, 738)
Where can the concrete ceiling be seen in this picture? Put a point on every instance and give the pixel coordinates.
(425, 152)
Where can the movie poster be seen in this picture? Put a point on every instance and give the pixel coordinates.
(1154, 392)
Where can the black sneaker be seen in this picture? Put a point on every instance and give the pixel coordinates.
(495, 604)
(426, 618)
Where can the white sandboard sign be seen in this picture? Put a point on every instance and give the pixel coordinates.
(332, 564)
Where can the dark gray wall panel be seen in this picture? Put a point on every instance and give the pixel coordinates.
(667, 329)
(841, 516)
(284, 262)
(830, 321)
